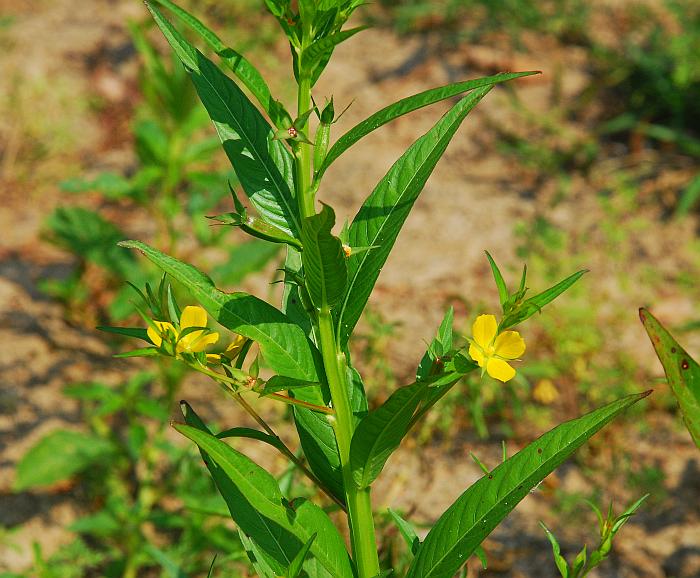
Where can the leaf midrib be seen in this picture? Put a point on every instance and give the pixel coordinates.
(280, 514)
(243, 132)
(351, 284)
(488, 512)
(387, 423)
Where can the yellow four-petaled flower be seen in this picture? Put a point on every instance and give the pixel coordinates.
(191, 342)
(493, 350)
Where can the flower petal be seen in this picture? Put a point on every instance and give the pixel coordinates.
(235, 346)
(476, 354)
(202, 341)
(484, 330)
(509, 345)
(164, 328)
(499, 369)
(193, 316)
(214, 358)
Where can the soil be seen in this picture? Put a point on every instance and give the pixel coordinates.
(57, 60)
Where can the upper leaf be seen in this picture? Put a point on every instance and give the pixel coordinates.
(465, 524)
(324, 262)
(682, 372)
(237, 63)
(263, 165)
(404, 106)
(382, 215)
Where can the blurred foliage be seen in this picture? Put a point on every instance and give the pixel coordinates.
(148, 505)
(174, 180)
(468, 21)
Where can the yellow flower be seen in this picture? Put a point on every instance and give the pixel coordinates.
(231, 351)
(492, 350)
(545, 392)
(191, 342)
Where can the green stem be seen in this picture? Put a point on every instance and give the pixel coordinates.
(359, 502)
(303, 154)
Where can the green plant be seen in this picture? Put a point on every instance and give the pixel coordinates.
(130, 473)
(682, 372)
(174, 179)
(281, 161)
(585, 561)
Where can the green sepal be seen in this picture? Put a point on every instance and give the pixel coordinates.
(256, 227)
(143, 352)
(136, 332)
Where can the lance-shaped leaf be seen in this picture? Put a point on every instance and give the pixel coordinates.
(382, 215)
(682, 372)
(260, 510)
(380, 432)
(263, 165)
(440, 345)
(314, 59)
(522, 311)
(283, 344)
(465, 524)
(406, 105)
(236, 62)
(325, 266)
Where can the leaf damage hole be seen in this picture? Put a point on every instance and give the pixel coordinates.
(685, 364)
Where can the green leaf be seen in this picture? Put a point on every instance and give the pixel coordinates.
(498, 278)
(252, 434)
(261, 561)
(465, 524)
(380, 432)
(325, 266)
(295, 567)
(407, 531)
(404, 106)
(439, 346)
(535, 304)
(283, 344)
(58, 456)
(317, 54)
(682, 372)
(280, 383)
(237, 63)
(263, 165)
(88, 235)
(258, 507)
(559, 560)
(383, 213)
(137, 332)
(143, 352)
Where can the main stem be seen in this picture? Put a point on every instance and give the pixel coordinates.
(359, 502)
